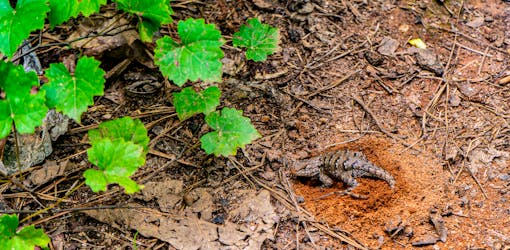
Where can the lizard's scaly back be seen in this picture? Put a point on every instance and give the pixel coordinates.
(337, 163)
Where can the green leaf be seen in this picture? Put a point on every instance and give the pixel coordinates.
(26, 238)
(62, 10)
(89, 7)
(197, 57)
(23, 105)
(73, 94)
(124, 128)
(151, 13)
(260, 39)
(232, 130)
(118, 148)
(8, 225)
(117, 160)
(16, 24)
(188, 102)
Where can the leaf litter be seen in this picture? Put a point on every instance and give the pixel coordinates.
(189, 227)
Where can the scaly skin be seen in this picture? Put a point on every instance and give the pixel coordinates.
(343, 165)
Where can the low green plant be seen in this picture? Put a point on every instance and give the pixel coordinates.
(24, 238)
(151, 15)
(198, 56)
(188, 102)
(61, 11)
(17, 24)
(231, 130)
(22, 107)
(119, 147)
(72, 94)
(259, 39)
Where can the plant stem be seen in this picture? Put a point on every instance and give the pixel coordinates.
(16, 150)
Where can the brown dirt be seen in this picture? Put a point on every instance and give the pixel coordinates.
(445, 139)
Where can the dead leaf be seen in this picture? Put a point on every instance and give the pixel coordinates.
(428, 60)
(438, 222)
(229, 235)
(255, 219)
(388, 46)
(98, 44)
(181, 232)
(259, 217)
(167, 193)
(49, 171)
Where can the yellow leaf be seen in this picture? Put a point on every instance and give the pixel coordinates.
(418, 43)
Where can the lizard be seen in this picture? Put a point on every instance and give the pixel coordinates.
(343, 165)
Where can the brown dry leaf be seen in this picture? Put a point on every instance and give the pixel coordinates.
(480, 158)
(428, 60)
(439, 225)
(229, 235)
(255, 219)
(203, 204)
(388, 46)
(49, 171)
(263, 4)
(97, 45)
(259, 217)
(180, 232)
(167, 193)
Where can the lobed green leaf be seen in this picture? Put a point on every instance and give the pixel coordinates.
(22, 105)
(89, 7)
(26, 238)
(152, 14)
(62, 10)
(117, 160)
(232, 131)
(124, 128)
(260, 39)
(197, 57)
(118, 148)
(73, 94)
(188, 102)
(16, 24)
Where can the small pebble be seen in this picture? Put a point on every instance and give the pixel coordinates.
(219, 219)
(408, 231)
(306, 9)
(157, 130)
(304, 118)
(300, 199)
(188, 199)
(424, 241)
(454, 101)
(504, 177)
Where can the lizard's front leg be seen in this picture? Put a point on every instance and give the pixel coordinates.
(325, 179)
(346, 178)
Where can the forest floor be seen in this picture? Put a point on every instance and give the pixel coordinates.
(345, 78)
